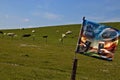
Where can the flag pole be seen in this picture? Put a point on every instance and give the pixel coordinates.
(75, 61)
(74, 68)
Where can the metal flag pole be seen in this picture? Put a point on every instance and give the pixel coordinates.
(74, 68)
(75, 61)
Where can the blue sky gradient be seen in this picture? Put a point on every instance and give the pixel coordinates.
(36, 13)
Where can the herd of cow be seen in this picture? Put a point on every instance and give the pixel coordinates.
(33, 31)
(13, 34)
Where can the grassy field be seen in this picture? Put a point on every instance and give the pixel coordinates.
(28, 59)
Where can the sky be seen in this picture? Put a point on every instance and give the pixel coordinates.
(38, 13)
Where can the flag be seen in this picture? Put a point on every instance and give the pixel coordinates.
(97, 40)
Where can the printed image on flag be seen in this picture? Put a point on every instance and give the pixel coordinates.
(97, 40)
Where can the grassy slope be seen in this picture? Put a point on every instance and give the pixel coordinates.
(25, 59)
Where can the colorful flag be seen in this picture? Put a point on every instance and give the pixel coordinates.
(97, 40)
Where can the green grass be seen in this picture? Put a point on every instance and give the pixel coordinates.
(28, 59)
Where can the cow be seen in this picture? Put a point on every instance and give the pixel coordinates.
(1, 32)
(26, 35)
(63, 35)
(11, 34)
(68, 32)
(33, 31)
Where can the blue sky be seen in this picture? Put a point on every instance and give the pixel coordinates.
(35, 13)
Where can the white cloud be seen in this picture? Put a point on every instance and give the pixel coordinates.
(39, 7)
(113, 20)
(6, 16)
(103, 19)
(37, 14)
(26, 20)
(52, 16)
(96, 18)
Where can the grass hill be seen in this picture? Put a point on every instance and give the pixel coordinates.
(32, 58)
